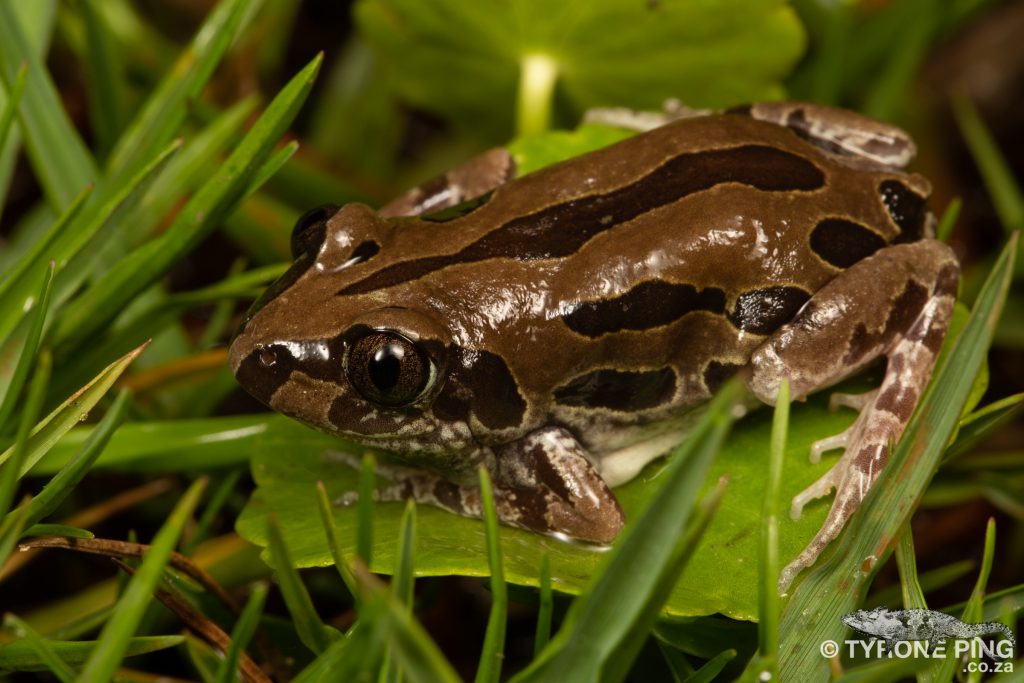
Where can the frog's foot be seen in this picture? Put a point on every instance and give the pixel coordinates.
(917, 283)
(543, 482)
(849, 435)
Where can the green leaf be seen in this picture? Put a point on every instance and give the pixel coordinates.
(468, 62)
(116, 636)
(451, 544)
(833, 587)
(204, 211)
(19, 656)
(62, 163)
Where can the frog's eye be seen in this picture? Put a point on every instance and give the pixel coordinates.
(387, 368)
(308, 233)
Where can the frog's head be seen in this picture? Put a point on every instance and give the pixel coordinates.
(355, 366)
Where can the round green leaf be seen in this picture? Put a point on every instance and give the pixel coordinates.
(463, 60)
(287, 465)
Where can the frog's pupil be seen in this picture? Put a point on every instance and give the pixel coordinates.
(385, 368)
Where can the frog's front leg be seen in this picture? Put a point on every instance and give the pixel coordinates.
(542, 482)
(896, 303)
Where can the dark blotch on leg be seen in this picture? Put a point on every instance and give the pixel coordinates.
(899, 401)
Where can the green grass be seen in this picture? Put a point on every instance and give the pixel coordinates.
(188, 163)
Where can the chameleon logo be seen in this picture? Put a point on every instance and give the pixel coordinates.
(918, 624)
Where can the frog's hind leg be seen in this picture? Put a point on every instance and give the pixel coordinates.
(471, 180)
(895, 303)
(838, 131)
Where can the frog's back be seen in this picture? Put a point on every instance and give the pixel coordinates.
(649, 270)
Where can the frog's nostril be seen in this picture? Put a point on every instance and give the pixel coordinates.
(267, 357)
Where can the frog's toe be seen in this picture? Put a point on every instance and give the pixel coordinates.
(856, 401)
(819, 489)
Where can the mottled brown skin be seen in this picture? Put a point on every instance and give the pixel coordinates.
(574, 317)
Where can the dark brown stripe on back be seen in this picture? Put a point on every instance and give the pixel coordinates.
(650, 304)
(562, 229)
(619, 390)
(842, 243)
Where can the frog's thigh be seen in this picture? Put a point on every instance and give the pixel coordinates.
(839, 131)
(542, 482)
(896, 303)
(476, 177)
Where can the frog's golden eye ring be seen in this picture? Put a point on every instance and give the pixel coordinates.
(388, 369)
(308, 233)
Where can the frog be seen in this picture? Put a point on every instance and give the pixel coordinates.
(562, 328)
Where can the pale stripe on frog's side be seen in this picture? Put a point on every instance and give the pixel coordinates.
(560, 327)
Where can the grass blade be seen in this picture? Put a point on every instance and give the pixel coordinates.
(204, 211)
(13, 100)
(313, 633)
(906, 562)
(42, 648)
(833, 587)
(403, 580)
(28, 352)
(765, 664)
(948, 220)
(62, 530)
(713, 667)
(340, 563)
(163, 113)
(62, 163)
(364, 509)
(419, 657)
(107, 91)
(546, 607)
(489, 670)
(12, 302)
(12, 466)
(36, 19)
(995, 171)
(607, 624)
(61, 485)
(946, 669)
(70, 412)
(242, 633)
(19, 656)
(117, 633)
